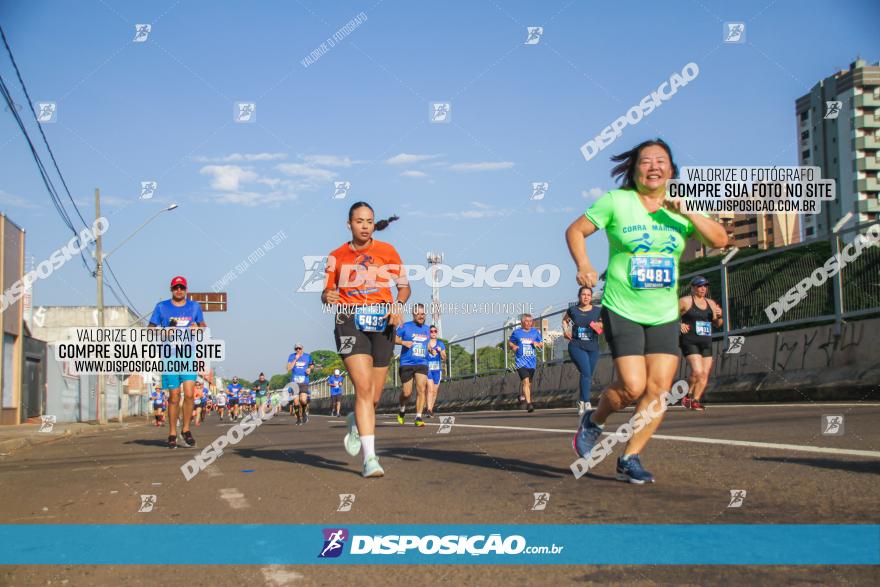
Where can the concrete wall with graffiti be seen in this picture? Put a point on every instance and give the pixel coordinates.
(808, 364)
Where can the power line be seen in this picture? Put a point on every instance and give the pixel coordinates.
(47, 181)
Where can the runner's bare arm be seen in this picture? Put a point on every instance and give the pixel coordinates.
(684, 304)
(708, 231)
(717, 313)
(575, 236)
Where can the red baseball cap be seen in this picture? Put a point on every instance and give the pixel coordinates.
(179, 280)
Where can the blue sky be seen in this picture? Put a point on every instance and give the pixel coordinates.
(163, 110)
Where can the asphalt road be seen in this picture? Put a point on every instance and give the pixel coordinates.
(484, 470)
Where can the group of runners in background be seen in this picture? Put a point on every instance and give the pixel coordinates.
(641, 317)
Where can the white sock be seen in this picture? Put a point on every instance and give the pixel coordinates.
(403, 409)
(418, 414)
(368, 443)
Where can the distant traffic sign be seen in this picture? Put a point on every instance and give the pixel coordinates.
(210, 301)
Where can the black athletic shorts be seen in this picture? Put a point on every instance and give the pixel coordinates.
(407, 372)
(525, 372)
(231, 402)
(627, 338)
(351, 341)
(696, 348)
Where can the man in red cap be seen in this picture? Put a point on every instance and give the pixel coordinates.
(178, 312)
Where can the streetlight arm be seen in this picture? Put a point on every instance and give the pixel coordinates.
(139, 228)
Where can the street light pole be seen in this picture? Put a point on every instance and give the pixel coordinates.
(100, 408)
(101, 412)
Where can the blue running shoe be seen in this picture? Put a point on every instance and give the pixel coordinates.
(587, 435)
(631, 470)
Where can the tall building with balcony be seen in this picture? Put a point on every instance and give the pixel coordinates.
(838, 127)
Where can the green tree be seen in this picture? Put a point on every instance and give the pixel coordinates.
(462, 361)
(325, 362)
(278, 381)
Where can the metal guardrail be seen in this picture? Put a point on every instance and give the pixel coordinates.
(744, 287)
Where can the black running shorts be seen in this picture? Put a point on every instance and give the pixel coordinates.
(407, 372)
(703, 349)
(525, 373)
(351, 341)
(627, 338)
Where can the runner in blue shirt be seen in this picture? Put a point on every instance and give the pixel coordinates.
(413, 337)
(233, 398)
(436, 357)
(158, 399)
(300, 365)
(178, 312)
(523, 341)
(335, 382)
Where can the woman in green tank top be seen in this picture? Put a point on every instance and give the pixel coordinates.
(646, 236)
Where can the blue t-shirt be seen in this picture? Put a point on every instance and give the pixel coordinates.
(335, 380)
(187, 315)
(233, 390)
(298, 372)
(157, 397)
(435, 362)
(525, 341)
(417, 354)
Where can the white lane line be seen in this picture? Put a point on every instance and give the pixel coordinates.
(679, 408)
(234, 498)
(698, 439)
(279, 575)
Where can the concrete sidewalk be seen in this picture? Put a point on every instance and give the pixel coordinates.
(13, 438)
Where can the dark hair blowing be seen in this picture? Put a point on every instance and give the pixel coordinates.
(625, 170)
(381, 224)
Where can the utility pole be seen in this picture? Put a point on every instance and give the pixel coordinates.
(100, 408)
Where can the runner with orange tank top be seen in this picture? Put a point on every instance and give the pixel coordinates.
(359, 279)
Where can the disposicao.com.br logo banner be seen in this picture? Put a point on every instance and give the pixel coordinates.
(460, 544)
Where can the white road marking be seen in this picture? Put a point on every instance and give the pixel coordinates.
(234, 498)
(279, 576)
(679, 408)
(698, 439)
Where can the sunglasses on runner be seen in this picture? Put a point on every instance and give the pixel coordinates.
(176, 287)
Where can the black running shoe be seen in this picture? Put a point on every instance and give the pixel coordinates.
(172, 441)
(530, 408)
(188, 440)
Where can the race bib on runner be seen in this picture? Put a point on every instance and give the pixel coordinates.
(583, 333)
(433, 365)
(370, 319)
(703, 328)
(299, 378)
(528, 350)
(651, 271)
(418, 349)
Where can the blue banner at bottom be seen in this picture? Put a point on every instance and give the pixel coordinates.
(613, 544)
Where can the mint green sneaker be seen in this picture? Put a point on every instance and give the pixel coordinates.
(352, 440)
(372, 468)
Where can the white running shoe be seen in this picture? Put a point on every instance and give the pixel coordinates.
(352, 440)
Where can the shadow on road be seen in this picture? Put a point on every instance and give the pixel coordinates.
(298, 456)
(851, 466)
(149, 442)
(474, 459)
